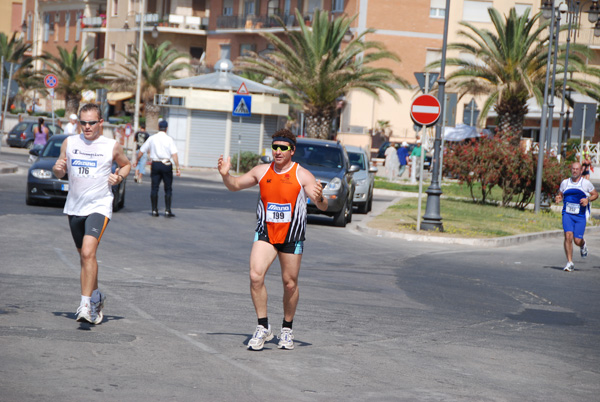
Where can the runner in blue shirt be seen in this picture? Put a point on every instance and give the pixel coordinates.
(576, 193)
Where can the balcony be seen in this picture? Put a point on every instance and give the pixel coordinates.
(255, 22)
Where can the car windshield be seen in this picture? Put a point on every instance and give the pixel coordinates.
(52, 149)
(318, 155)
(357, 158)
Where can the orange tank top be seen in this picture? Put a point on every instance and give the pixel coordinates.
(281, 211)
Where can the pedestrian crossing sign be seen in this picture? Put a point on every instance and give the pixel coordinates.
(242, 105)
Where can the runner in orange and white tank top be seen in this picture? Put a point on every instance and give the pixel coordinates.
(281, 210)
(284, 188)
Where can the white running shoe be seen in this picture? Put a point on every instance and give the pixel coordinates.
(286, 339)
(97, 307)
(569, 267)
(85, 313)
(584, 251)
(261, 335)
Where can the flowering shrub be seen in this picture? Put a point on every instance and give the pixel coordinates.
(498, 161)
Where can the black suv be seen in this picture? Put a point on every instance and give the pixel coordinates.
(329, 163)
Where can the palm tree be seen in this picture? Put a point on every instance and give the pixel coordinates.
(76, 72)
(509, 66)
(314, 70)
(159, 64)
(15, 50)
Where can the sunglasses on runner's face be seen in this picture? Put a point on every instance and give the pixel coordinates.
(282, 148)
(91, 123)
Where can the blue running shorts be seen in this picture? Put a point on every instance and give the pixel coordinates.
(575, 224)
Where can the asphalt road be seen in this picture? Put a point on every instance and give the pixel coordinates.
(379, 319)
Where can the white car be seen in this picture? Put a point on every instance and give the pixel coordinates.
(364, 178)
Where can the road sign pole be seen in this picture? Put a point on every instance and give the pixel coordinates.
(237, 169)
(432, 220)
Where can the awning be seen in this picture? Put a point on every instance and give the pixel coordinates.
(114, 97)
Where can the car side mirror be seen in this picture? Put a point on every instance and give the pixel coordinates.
(266, 159)
(34, 152)
(373, 169)
(353, 169)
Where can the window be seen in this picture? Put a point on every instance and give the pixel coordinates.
(115, 7)
(286, 7)
(433, 55)
(337, 6)
(273, 7)
(46, 26)
(521, 8)
(437, 9)
(247, 47)
(476, 11)
(249, 7)
(29, 22)
(67, 25)
(129, 50)
(113, 52)
(196, 52)
(78, 26)
(56, 21)
(227, 7)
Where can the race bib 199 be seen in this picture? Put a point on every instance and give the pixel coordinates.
(279, 213)
(572, 208)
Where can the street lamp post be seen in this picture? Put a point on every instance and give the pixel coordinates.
(547, 12)
(432, 220)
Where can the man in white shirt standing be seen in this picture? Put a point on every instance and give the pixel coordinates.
(163, 154)
(71, 127)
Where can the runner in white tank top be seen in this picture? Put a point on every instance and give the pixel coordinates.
(88, 158)
(89, 164)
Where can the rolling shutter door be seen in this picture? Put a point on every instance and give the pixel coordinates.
(207, 138)
(270, 128)
(250, 131)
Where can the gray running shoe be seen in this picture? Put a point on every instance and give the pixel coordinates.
(569, 267)
(286, 339)
(261, 335)
(584, 251)
(97, 308)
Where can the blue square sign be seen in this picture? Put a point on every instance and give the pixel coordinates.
(242, 105)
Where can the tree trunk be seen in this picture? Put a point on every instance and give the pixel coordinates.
(151, 112)
(72, 105)
(511, 115)
(318, 124)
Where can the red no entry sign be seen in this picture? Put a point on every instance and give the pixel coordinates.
(50, 81)
(425, 110)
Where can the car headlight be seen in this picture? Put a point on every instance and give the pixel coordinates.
(334, 184)
(41, 173)
(361, 182)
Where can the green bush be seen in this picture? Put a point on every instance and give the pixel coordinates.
(60, 112)
(247, 161)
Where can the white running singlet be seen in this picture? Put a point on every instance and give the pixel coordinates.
(88, 166)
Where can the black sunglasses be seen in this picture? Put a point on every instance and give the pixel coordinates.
(91, 123)
(282, 148)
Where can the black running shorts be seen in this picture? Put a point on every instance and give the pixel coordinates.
(91, 225)
(296, 247)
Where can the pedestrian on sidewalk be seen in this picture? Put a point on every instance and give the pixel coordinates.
(140, 138)
(403, 158)
(576, 193)
(391, 162)
(281, 212)
(416, 152)
(71, 126)
(87, 158)
(163, 154)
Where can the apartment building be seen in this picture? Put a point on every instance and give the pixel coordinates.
(11, 16)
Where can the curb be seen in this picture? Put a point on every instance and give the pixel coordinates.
(6, 167)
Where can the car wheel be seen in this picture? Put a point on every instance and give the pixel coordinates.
(29, 200)
(339, 219)
(122, 201)
(115, 200)
(29, 144)
(363, 208)
(349, 214)
(370, 202)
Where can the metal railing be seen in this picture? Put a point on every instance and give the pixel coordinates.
(255, 22)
